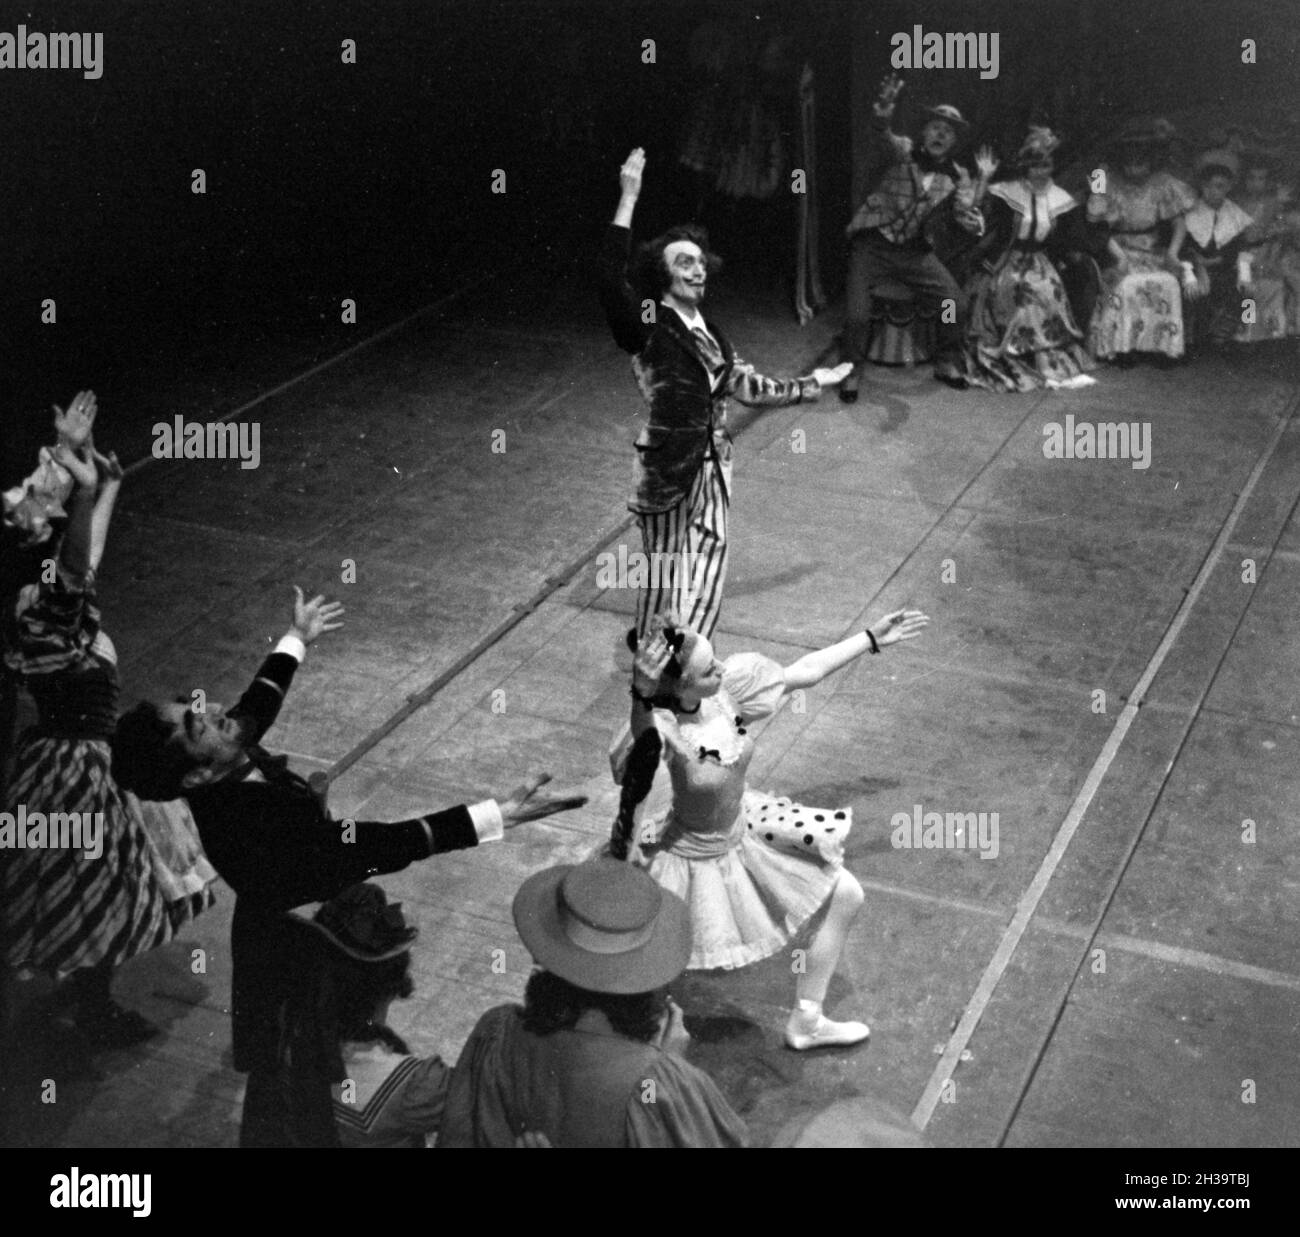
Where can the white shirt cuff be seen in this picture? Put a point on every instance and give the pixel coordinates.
(488, 823)
(293, 646)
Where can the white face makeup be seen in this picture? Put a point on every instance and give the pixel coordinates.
(938, 137)
(689, 272)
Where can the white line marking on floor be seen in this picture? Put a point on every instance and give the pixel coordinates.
(1200, 961)
(1028, 903)
(146, 460)
(1195, 958)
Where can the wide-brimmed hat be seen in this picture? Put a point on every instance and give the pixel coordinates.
(604, 925)
(946, 111)
(363, 924)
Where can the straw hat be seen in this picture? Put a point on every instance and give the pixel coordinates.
(604, 926)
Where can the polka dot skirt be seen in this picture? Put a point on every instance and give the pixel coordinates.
(794, 828)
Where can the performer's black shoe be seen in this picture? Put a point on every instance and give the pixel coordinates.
(849, 388)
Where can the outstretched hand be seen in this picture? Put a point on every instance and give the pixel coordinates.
(652, 657)
(986, 162)
(313, 618)
(629, 175)
(887, 96)
(900, 625)
(526, 803)
(75, 425)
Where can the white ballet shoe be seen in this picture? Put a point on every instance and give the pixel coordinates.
(824, 1033)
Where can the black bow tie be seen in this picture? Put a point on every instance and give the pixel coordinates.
(706, 752)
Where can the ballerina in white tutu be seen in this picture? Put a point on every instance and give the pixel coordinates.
(751, 868)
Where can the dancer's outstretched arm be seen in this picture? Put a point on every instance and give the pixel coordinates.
(747, 386)
(810, 669)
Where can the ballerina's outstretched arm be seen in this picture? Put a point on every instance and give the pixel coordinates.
(810, 669)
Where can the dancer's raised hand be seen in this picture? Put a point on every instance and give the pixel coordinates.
(986, 163)
(888, 95)
(900, 625)
(652, 656)
(629, 175)
(76, 424)
(527, 803)
(313, 618)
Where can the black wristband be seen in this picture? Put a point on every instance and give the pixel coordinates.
(645, 700)
(875, 648)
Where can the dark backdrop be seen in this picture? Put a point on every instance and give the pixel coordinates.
(372, 180)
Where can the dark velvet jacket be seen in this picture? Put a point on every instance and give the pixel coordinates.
(274, 845)
(688, 409)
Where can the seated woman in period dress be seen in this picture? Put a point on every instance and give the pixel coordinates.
(753, 869)
(1142, 206)
(1023, 335)
(74, 908)
(1273, 244)
(1216, 249)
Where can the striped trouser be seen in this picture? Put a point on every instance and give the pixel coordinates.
(687, 550)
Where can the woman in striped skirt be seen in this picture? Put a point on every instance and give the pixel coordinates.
(79, 871)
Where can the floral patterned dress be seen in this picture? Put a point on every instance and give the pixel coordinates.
(1140, 310)
(752, 868)
(1023, 335)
